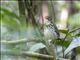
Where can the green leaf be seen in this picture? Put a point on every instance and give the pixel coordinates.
(74, 21)
(9, 19)
(74, 44)
(9, 13)
(64, 31)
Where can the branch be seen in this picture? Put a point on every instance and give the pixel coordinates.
(32, 54)
(21, 41)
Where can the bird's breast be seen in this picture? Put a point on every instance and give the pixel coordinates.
(49, 33)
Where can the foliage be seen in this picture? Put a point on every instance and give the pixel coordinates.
(17, 35)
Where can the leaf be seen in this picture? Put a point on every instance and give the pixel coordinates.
(77, 4)
(78, 49)
(74, 44)
(74, 21)
(36, 47)
(8, 12)
(64, 30)
(9, 19)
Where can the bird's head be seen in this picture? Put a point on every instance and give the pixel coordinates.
(47, 20)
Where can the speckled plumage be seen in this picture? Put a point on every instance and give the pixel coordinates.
(50, 30)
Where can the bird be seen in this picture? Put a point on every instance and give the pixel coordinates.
(51, 34)
(50, 28)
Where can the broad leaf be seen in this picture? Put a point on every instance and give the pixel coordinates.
(36, 47)
(74, 44)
